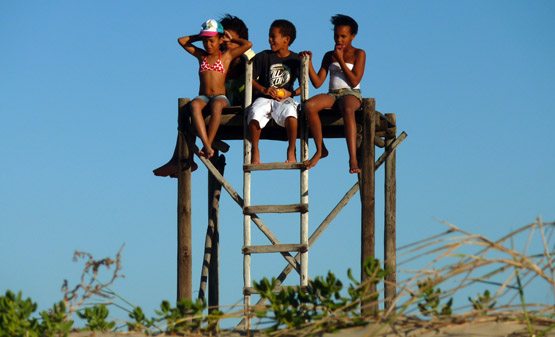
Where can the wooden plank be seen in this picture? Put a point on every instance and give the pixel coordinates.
(210, 266)
(293, 208)
(303, 130)
(231, 125)
(253, 291)
(367, 195)
(214, 193)
(390, 199)
(247, 194)
(184, 217)
(273, 166)
(379, 142)
(281, 248)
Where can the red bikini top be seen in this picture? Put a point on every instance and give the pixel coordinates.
(218, 66)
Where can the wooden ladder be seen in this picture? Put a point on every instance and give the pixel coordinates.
(250, 211)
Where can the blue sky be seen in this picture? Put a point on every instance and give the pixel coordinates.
(88, 103)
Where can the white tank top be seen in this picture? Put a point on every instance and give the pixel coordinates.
(337, 77)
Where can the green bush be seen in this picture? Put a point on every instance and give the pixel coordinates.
(96, 318)
(321, 298)
(16, 319)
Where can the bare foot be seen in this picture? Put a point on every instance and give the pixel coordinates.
(255, 156)
(167, 169)
(353, 166)
(291, 155)
(316, 157)
(207, 152)
(194, 167)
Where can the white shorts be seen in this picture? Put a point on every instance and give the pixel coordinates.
(263, 109)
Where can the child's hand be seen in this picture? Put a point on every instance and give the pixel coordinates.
(272, 92)
(277, 94)
(306, 53)
(338, 52)
(227, 36)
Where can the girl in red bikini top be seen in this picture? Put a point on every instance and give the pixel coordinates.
(212, 85)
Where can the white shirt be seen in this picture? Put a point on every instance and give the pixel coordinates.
(337, 77)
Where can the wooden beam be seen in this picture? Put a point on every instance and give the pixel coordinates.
(390, 209)
(273, 166)
(231, 125)
(247, 194)
(294, 208)
(281, 248)
(379, 142)
(367, 194)
(184, 242)
(214, 193)
(252, 290)
(303, 137)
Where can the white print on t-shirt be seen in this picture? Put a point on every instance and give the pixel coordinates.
(280, 74)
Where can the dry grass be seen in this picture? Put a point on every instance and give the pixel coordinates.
(463, 265)
(459, 263)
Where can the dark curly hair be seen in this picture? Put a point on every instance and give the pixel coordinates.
(286, 28)
(235, 24)
(344, 20)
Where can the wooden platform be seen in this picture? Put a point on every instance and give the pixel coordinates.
(231, 126)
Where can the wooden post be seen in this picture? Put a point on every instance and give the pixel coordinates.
(247, 196)
(367, 190)
(390, 188)
(214, 193)
(303, 126)
(184, 249)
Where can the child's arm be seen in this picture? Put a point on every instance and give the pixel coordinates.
(318, 78)
(187, 43)
(354, 76)
(244, 45)
(257, 86)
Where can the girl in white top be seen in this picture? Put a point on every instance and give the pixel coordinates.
(346, 66)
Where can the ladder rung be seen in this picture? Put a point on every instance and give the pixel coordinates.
(273, 166)
(249, 210)
(252, 290)
(281, 248)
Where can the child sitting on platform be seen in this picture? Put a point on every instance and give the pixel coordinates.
(234, 85)
(274, 74)
(346, 66)
(212, 73)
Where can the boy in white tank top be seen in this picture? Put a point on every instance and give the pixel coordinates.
(345, 64)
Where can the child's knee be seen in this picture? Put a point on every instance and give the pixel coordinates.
(291, 122)
(219, 104)
(310, 107)
(197, 105)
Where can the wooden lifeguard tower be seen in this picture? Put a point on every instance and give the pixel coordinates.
(374, 129)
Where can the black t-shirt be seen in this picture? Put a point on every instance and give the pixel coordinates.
(270, 70)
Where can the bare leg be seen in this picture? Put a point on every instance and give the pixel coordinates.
(313, 107)
(216, 107)
(198, 120)
(255, 130)
(348, 105)
(170, 168)
(291, 129)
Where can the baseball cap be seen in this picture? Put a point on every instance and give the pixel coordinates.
(211, 28)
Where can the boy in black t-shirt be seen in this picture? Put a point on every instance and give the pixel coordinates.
(275, 72)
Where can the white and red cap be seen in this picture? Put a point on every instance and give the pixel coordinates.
(211, 28)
